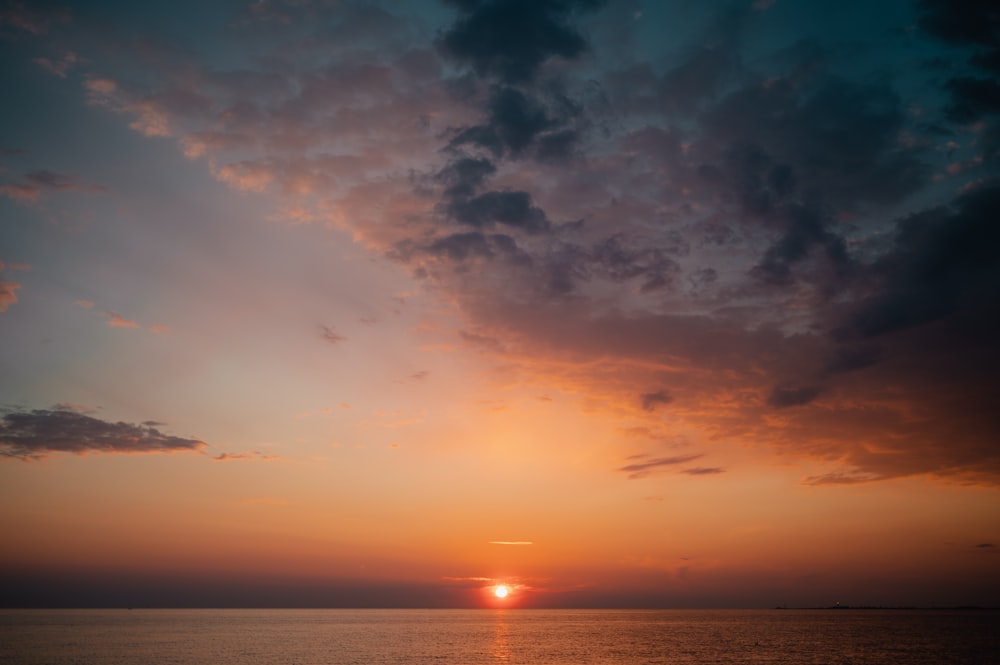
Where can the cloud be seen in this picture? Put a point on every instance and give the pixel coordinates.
(514, 121)
(511, 542)
(31, 19)
(7, 294)
(960, 21)
(641, 469)
(651, 401)
(760, 219)
(985, 546)
(703, 471)
(513, 209)
(34, 183)
(463, 176)
(20, 192)
(840, 478)
(77, 408)
(511, 39)
(331, 335)
(252, 455)
(59, 67)
(941, 262)
(116, 320)
(35, 434)
(783, 397)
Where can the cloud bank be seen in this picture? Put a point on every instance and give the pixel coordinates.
(755, 235)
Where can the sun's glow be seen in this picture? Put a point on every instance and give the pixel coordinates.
(501, 591)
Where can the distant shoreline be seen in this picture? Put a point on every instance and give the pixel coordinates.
(892, 607)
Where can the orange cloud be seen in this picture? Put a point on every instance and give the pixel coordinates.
(7, 294)
(116, 320)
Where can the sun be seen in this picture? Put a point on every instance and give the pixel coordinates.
(501, 591)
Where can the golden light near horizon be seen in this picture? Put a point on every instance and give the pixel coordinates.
(501, 591)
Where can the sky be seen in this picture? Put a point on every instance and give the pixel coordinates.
(340, 303)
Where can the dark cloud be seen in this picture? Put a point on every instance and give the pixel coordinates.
(557, 146)
(971, 22)
(806, 230)
(514, 120)
(851, 357)
(617, 261)
(702, 71)
(973, 98)
(681, 89)
(652, 401)
(943, 260)
(786, 396)
(510, 208)
(824, 135)
(510, 39)
(986, 545)
(464, 176)
(643, 468)
(460, 246)
(35, 434)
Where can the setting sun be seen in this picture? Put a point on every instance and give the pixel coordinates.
(501, 591)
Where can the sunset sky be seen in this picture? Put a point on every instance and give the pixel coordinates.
(626, 303)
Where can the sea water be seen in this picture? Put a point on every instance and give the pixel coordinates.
(468, 637)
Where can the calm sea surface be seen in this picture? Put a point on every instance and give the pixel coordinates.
(538, 637)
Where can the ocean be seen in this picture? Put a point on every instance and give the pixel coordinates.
(468, 637)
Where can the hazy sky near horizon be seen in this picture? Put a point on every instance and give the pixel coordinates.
(385, 303)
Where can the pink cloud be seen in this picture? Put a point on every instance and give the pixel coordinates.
(31, 19)
(34, 183)
(19, 192)
(61, 66)
(116, 320)
(7, 295)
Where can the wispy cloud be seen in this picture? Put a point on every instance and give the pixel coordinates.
(703, 471)
(59, 66)
(331, 335)
(646, 466)
(30, 18)
(116, 320)
(251, 455)
(840, 478)
(511, 542)
(77, 408)
(34, 183)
